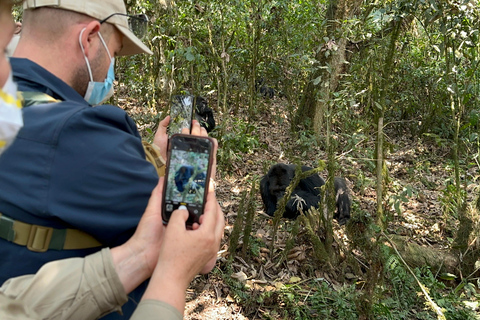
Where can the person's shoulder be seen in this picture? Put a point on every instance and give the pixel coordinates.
(112, 115)
(108, 108)
(47, 123)
(71, 110)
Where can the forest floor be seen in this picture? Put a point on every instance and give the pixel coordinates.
(418, 174)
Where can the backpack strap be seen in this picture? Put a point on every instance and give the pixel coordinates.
(33, 98)
(40, 239)
(152, 153)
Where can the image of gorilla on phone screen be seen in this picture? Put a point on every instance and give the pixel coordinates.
(187, 178)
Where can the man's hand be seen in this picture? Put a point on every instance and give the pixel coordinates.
(186, 253)
(136, 259)
(161, 137)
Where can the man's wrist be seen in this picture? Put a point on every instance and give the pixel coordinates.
(166, 289)
(130, 266)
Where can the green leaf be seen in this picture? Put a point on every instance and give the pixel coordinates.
(189, 56)
(317, 81)
(447, 276)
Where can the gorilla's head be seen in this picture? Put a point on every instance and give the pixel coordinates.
(279, 177)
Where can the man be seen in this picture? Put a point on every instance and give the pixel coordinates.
(76, 177)
(86, 288)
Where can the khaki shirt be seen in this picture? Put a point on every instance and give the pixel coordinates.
(76, 288)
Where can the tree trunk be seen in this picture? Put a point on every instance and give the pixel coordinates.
(330, 64)
(164, 81)
(380, 106)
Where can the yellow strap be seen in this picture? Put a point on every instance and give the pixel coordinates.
(40, 239)
(152, 154)
(77, 239)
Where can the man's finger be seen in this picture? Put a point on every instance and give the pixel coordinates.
(209, 217)
(162, 126)
(179, 217)
(195, 128)
(161, 137)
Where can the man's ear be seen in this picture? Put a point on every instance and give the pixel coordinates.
(90, 32)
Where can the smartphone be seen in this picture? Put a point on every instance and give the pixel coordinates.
(189, 165)
(181, 114)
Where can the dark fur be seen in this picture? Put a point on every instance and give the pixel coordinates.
(204, 114)
(342, 200)
(183, 176)
(278, 178)
(264, 90)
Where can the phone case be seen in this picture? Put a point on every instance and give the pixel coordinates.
(187, 176)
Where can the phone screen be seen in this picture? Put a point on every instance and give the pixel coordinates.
(188, 175)
(181, 112)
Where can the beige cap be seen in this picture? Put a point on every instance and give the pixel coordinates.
(99, 9)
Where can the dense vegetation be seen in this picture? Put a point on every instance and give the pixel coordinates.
(386, 93)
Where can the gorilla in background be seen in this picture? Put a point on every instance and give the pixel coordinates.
(183, 175)
(264, 90)
(204, 114)
(305, 195)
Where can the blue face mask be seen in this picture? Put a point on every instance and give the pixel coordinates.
(98, 92)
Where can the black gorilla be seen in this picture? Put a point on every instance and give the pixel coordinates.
(304, 196)
(204, 114)
(264, 90)
(183, 175)
(274, 183)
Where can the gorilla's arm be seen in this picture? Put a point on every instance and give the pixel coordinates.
(300, 201)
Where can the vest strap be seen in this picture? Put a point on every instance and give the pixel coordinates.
(152, 153)
(33, 98)
(40, 239)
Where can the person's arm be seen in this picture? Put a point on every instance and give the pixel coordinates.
(86, 288)
(81, 288)
(76, 288)
(14, 310)
(183, 255)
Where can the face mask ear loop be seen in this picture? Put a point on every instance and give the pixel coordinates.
(104, 44)
(83, 50)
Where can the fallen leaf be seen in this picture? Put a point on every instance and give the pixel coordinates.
(240, 276)
(294, 280)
